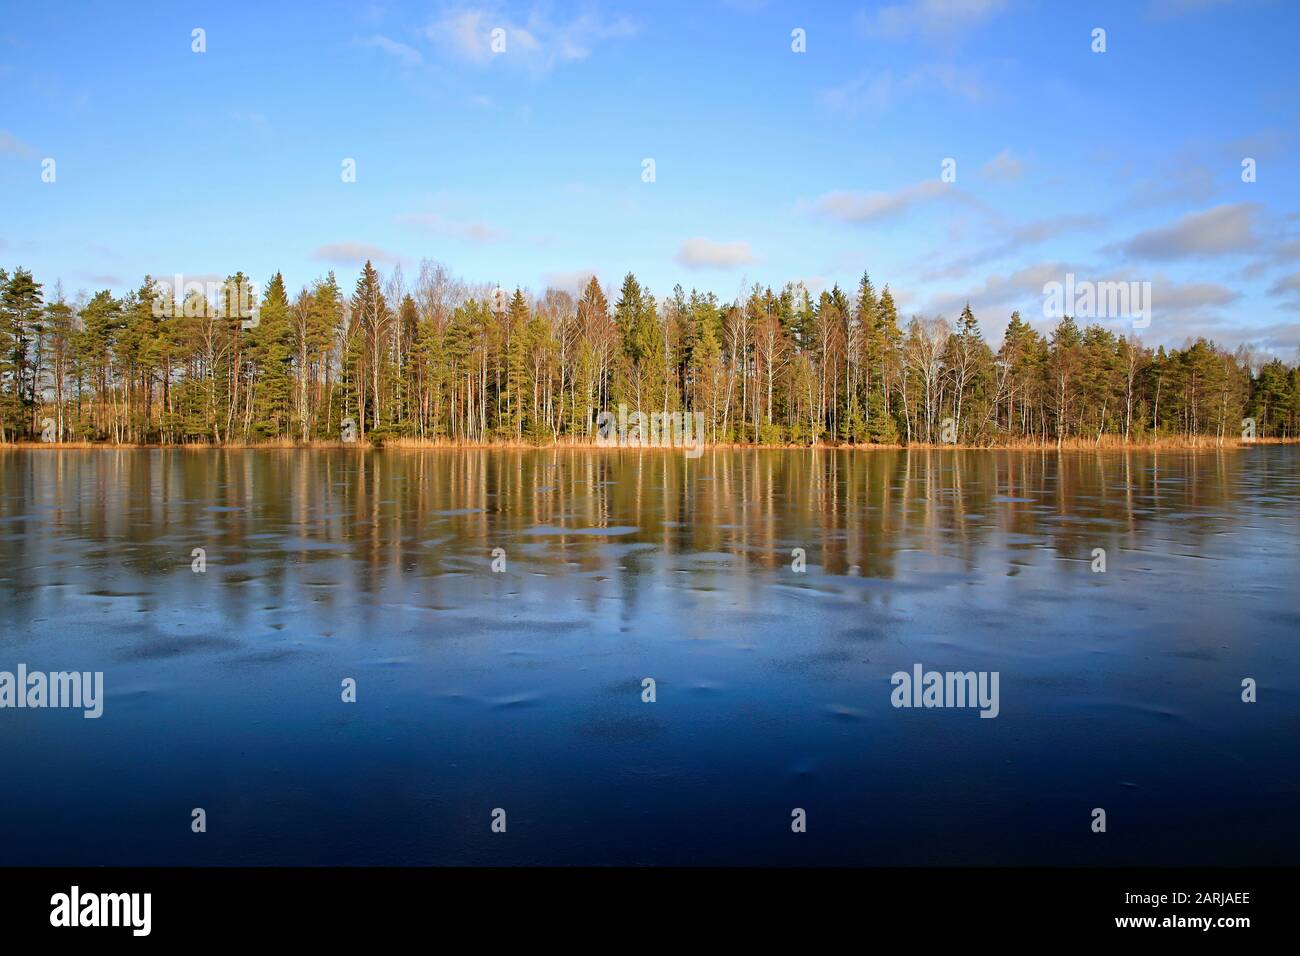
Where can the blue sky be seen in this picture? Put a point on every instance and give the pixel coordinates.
(525, 167)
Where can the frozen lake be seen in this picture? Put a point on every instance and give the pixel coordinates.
(522, 688)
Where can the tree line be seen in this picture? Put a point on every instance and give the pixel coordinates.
(442, 360)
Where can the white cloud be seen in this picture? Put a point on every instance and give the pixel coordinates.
(574, 281)
(353, 254)
(700, 253)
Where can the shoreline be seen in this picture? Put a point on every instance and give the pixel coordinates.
(407, 444)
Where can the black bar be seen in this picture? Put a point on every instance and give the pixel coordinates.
(211, 905)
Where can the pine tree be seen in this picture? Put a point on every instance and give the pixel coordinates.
(867, 319)
(271, 352)
(516, 357)
(367, 353)
(20, 313)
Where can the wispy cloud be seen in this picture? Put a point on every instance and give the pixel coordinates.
(100, 280)
(862, 208)
(1223, 230)
(1003, 166)
(701, 253)
(11, 145)
(1001, 293)
(24, 246)
(1163, 9)
(945, 20)
(1181, 185)
(1283, 254)
(878, 91)
(1287, 288)
(1175, 297)
(255, 120)
(1019, 240)
(872, 92)
(475, 230)
(1272, 338)
(1288, 251)
(538, 43)
(399, 51)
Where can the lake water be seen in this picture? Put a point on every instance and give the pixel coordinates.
(521, 689)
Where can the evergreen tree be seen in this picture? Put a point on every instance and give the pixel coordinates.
(21, 302)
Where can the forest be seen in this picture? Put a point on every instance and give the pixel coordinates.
(440, 360)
